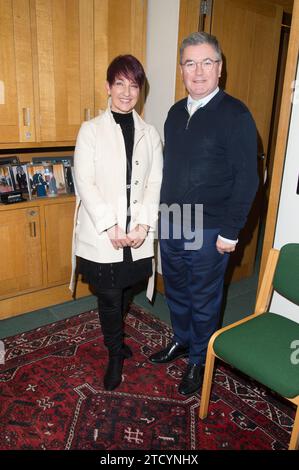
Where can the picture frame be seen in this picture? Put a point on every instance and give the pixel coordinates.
(9, 160)
(69, 178)
(6, 180)
(20, 178)
(67, 161)
(46, 180)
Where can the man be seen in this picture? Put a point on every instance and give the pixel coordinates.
(210, 159)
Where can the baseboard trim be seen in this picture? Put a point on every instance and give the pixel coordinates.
(40, 299)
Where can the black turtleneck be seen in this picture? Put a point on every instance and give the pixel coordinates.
(126, 123)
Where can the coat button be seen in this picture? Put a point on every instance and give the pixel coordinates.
(137, 162)
(136, 182)
(134, 202)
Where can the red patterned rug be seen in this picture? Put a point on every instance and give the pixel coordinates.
(52, 397)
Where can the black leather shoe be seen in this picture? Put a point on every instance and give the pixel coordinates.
(169, 354)
(192, 379)
(113, 375)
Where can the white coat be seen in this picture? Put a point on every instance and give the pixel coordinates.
(100, 180)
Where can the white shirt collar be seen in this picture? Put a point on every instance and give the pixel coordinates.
(203, 101)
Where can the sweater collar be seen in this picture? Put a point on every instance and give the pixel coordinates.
(203, 101)
(211, 104)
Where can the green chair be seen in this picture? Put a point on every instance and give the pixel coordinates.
(264, 345)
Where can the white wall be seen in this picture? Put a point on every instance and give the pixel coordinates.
(161, 56)
(287, 227)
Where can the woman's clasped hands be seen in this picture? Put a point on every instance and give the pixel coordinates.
(134, 238)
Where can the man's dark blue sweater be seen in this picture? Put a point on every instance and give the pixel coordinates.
(211, 159)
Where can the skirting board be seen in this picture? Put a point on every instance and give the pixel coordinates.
(43, 298)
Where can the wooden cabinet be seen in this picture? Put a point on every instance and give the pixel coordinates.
(58, 231)
(53, 60)
(21, 251)
(63, 31)
(35, 265)
(17, 114)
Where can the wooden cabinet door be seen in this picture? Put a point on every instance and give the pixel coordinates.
(119, 28)
(63, 32)
(59, 231)
(246, 30)
(16, 73)
(21, 253)
(53, 60)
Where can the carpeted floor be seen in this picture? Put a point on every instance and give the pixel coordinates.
(52, 398)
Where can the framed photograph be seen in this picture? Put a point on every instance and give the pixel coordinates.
(20, 177)
(6, 181)
(69, 178)
(46, 180)
(67, 162)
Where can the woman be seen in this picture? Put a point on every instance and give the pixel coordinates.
(118, 171)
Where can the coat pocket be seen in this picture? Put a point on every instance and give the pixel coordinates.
(85, 230)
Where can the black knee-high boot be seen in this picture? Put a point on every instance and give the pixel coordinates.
(127, 298)
(110, 303)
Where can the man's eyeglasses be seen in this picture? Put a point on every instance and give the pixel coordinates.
(207, 65)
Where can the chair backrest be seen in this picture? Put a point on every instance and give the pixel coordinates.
(286, 278)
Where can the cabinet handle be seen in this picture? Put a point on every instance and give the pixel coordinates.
(86, 114)
(26, 116)
(32, 227)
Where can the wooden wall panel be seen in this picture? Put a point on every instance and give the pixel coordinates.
(120, 28)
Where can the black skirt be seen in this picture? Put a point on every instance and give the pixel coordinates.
(120, 275)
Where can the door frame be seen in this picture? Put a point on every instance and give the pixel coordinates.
(282, 139)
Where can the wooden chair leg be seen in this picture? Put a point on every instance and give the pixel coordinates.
(294, 442)
(207, 384)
